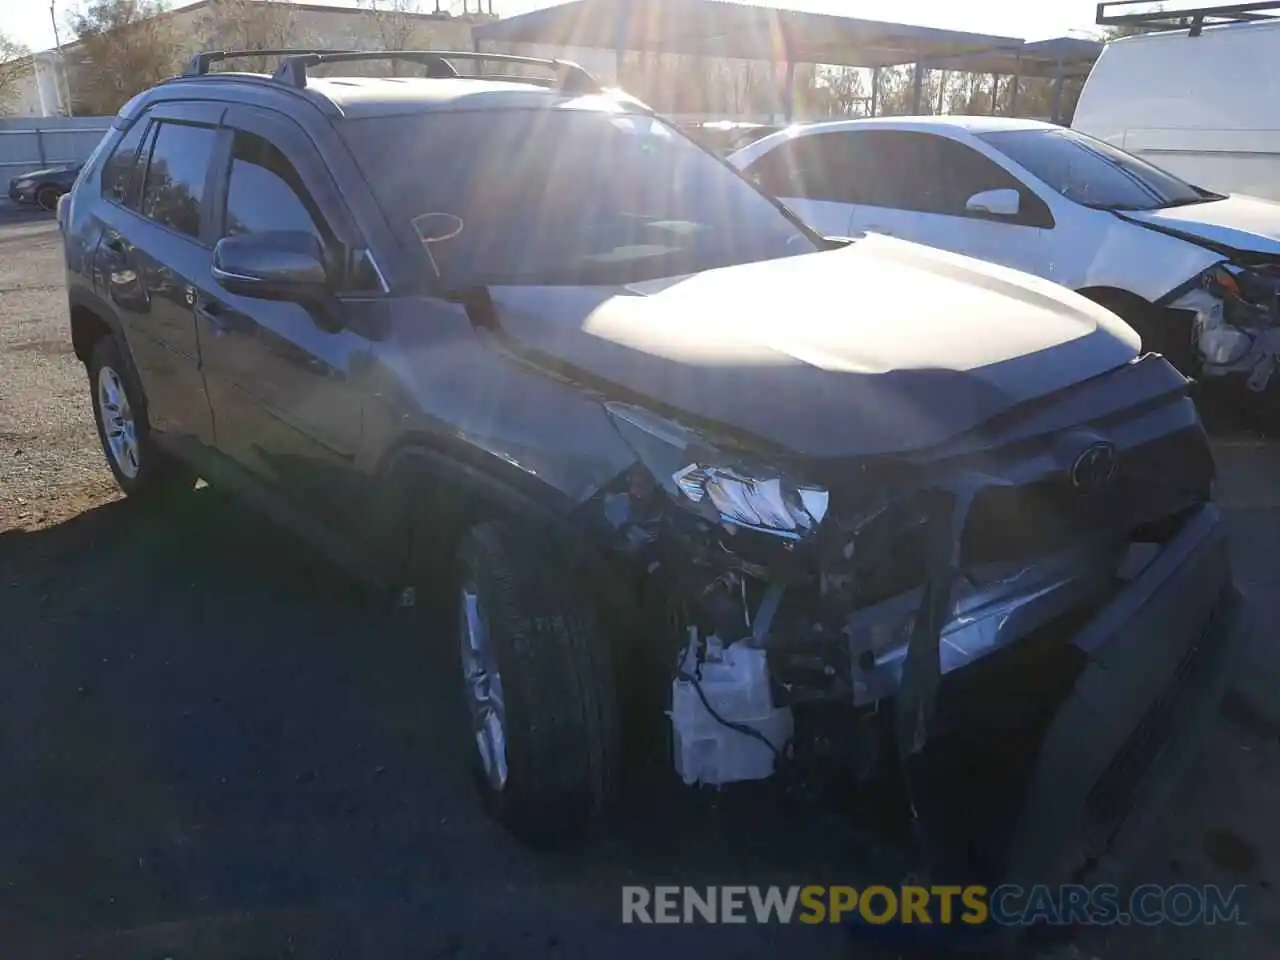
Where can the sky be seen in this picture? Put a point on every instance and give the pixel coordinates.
(29, 22)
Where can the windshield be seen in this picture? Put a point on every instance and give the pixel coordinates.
(563, 196)
(1094, 173)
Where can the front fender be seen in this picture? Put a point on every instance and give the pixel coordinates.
(1128, 257)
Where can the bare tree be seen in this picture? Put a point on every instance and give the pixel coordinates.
(849, 97)
(251, 25)
(393, 26)
(124, 47)
(12, 73)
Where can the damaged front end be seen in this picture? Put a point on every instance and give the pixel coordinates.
(879, 618)
(1231, 314)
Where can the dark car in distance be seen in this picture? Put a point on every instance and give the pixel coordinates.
(44, 187)
(795, 508)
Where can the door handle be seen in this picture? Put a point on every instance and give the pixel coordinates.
(210, 311)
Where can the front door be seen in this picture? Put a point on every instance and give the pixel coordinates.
(280, 376)
(918, 186)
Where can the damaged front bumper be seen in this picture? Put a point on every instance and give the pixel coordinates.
(1153, 668)
(1233, 317)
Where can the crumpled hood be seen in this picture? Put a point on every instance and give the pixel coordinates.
(1248, 224)
(879, 347)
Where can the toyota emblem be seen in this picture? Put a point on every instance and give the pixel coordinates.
(1095, 468)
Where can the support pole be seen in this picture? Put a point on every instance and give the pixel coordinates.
(1017, 83)
(791, 91)
(875, 90)
(1057, 93)
(917, 88)
(621, 28)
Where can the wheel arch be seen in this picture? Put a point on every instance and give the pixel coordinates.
(461, 488)
(1105, 296)
(416, 537)
(1163, 331)
(91, 319)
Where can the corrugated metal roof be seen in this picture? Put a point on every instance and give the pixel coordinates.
(750, 31)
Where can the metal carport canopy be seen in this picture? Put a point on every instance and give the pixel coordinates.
(1048, 59)
(716, 28)
(1057, 60)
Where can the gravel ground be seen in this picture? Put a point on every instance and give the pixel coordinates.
(51, 466)
(211, 749)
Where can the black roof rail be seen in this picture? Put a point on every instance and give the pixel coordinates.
(198, 65)
(569, 76)
(1154, 17)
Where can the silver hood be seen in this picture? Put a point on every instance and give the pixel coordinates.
(1247, 224)
(884, 346)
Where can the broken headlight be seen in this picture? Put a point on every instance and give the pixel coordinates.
(1218, 342)
(717, 484)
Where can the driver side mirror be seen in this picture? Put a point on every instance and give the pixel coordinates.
(995, 203)
(277, 265)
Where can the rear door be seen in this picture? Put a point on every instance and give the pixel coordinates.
(917, 186)
(815, 176)
(280, 377)
(154, 256)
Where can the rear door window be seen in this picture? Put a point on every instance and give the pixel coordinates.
(821, 166)
(120, 177)
(174, 185)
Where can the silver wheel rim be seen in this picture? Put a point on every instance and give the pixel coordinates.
(118, 425)
(483, 687)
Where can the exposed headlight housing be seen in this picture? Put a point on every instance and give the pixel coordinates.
(717, 484)
(749, 501)
(1219, 343)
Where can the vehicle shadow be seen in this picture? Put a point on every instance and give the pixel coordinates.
(203, 719)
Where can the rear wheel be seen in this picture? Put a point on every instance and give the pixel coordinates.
(140, 467)
(539, 687)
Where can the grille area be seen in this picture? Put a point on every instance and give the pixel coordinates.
(1152, 481)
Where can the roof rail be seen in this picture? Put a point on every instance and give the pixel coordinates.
(1154, 17)
(569, 76)
(198, 65)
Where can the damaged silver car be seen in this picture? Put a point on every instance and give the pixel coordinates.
(778, 507)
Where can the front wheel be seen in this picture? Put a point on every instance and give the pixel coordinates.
(539, 686)
(47, 198)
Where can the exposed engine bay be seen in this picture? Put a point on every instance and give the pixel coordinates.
(815, 622)
(1232, 316)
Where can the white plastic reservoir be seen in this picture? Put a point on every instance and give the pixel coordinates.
(735, 681)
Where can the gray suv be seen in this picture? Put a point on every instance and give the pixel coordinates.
(792, 508)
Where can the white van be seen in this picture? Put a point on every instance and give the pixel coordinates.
(1204, 107)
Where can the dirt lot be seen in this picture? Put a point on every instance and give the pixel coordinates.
(212, 749)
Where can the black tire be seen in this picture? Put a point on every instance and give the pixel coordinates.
(47, 198)
(1153, 326)
(558, 685)
(156, 473)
